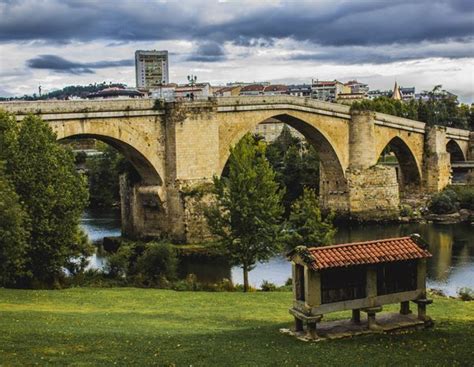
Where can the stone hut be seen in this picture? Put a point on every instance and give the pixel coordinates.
(360, 276)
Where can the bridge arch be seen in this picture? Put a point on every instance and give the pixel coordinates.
(455, 152)
(329, 156)
(132, 145)
(408, 170)
(141, 164)
(333, 183)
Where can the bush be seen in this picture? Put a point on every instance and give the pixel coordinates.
(289, 282)
(466, 294)
(268, 286)
(465, 196)
(406, 211)
(443, 203)
(158, 260)
(118, 264)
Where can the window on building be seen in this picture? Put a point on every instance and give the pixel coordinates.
(396, 277)
(342, 284)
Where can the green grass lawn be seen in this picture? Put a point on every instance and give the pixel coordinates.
(126, 326)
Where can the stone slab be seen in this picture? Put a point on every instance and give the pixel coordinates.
(387, 323)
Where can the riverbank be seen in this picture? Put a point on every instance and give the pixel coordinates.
(141, 327)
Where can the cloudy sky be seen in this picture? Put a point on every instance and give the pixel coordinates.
(419, 43)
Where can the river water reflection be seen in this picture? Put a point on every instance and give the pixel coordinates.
(450, 268)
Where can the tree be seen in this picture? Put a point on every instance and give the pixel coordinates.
(306, 226)
(53, 195)
(13, 235)
(103, 172)
(247, 211)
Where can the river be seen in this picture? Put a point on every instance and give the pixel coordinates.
(450, 268)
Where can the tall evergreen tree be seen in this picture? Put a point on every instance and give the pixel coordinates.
(247, 212)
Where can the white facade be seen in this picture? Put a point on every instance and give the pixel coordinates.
(151, 68)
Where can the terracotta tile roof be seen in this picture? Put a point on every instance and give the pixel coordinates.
(361, 253)
(276, 88)
(253, 87)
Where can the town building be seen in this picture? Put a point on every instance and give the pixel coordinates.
(327, 90)
(165, 91)
(300, 90)
(252, 90)
(357, 87)
(372, 94)
(363, 277)
(408, 93)
(193, 92)
(349, 98)
(396, 94)
(151, 68)
(116, 93)
(231, 91)
(275, 89)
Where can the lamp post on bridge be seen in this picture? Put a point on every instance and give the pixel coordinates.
(192, 82)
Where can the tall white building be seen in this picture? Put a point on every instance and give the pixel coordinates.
(151, 68)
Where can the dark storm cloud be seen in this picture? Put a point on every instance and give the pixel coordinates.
(60, 65)
(384, 55)
(208, 52)
(323, 23)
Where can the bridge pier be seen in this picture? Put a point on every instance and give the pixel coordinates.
(373, 191)
(436, 163)
(143, 213)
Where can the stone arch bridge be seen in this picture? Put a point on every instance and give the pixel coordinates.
(177, 147)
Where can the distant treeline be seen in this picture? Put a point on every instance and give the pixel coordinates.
(445, 111)
(67, 92)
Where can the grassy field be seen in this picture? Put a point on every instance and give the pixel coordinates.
(126, 326)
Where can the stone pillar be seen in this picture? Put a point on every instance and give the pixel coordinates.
(436, 163)
(405, 308)
(143, 213)
(356, 316)
(371, 312)
(192, 159)
(298, 325)
(373, 191)
(362, 140)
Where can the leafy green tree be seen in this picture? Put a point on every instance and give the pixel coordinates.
(247, 211)
(13, 235)
(306, 227)
(296, 165)
(53, 195)
(437, 110)
(103, 172)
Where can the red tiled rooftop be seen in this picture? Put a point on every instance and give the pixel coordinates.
(363, 253)
(276, 87)
(252, 87)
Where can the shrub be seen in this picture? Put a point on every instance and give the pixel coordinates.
(118, 264)
(442, 203)
(465, 196)
(157, 260)
(289, 282)
(406, 211)
(466, 294)
(268, 286)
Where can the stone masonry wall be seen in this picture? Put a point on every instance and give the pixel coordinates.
(373, 193)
